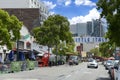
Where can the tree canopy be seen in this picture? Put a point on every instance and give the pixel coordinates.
(54, 29)
(107, 49)
(9, 28)
(111, 12)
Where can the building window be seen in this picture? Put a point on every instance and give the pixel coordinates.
(28, 45)
(20, 45)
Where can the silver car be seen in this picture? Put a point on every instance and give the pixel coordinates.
(93, 63)
(73, 60)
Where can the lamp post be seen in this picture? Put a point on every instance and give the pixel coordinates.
(3, 55)
(4, 50)
(17, 50)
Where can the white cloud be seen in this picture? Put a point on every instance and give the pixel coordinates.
(60, 2)
(84, 2)
(50, 5)
(93, 14)
(64, 2)
(51, 13)
(68, 2)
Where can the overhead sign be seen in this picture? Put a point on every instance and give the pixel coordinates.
(26, 36)
(90, 39)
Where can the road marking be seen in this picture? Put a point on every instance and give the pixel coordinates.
(87, 72)
(68, 76)
(20, 79)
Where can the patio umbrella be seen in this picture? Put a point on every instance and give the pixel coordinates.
(21, 56)
(11, 55)
(111, 58)
(32, 56)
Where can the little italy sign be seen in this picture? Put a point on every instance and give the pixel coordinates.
(90, 39)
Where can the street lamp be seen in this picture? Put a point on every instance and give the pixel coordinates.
(3, 55)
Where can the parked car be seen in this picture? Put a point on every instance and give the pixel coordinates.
(109, 64)
(73, 60)
(117, 71)
(112, 69)
(92, 63)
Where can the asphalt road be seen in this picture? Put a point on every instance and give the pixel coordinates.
(64, 72)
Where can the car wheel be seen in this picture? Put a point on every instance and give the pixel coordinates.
(97, 67)
(76, 63)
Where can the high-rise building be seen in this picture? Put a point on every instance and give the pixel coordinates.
(89, 28)
(95, 28)
(73, 30)
(19, 3)
(79, 29)
(92, 31)
(26, 10)
(26, 4)
(43, 11)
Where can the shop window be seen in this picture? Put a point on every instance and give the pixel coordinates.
(20, 44)
(28, 45)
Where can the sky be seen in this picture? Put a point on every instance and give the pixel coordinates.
(77, 11)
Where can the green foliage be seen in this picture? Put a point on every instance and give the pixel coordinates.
(9, 29)
(62, 48)
(95, 51)
(111, 12)
(46, 35)
(107, 49)
(54, 29)
(62, 25)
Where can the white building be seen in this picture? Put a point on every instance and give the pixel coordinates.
(79, 29)
(19, 3)
(43, 11)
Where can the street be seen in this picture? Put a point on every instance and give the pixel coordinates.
(63, 72)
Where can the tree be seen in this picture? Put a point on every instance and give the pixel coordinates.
(95, 51)
(46, 35)
(111, 12)
(107, 49)
(62, 48)
(9, 29)
(62, 24)
(54, 29)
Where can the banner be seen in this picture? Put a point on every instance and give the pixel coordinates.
(90, 39)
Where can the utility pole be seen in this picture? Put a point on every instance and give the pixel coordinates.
(17, 50)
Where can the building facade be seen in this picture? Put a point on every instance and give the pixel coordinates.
(89, 34)
(24, 4)
(79, 29)
(29, 16)
(92, 28)
(44, 12)
(32, 13)
(89, 28)
(95, 28)
(19, 4)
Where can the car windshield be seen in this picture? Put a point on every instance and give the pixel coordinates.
(73, 57)
(109, 61)
(92, 60)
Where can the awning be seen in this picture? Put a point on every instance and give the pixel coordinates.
(111, 58)
(39, 53)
